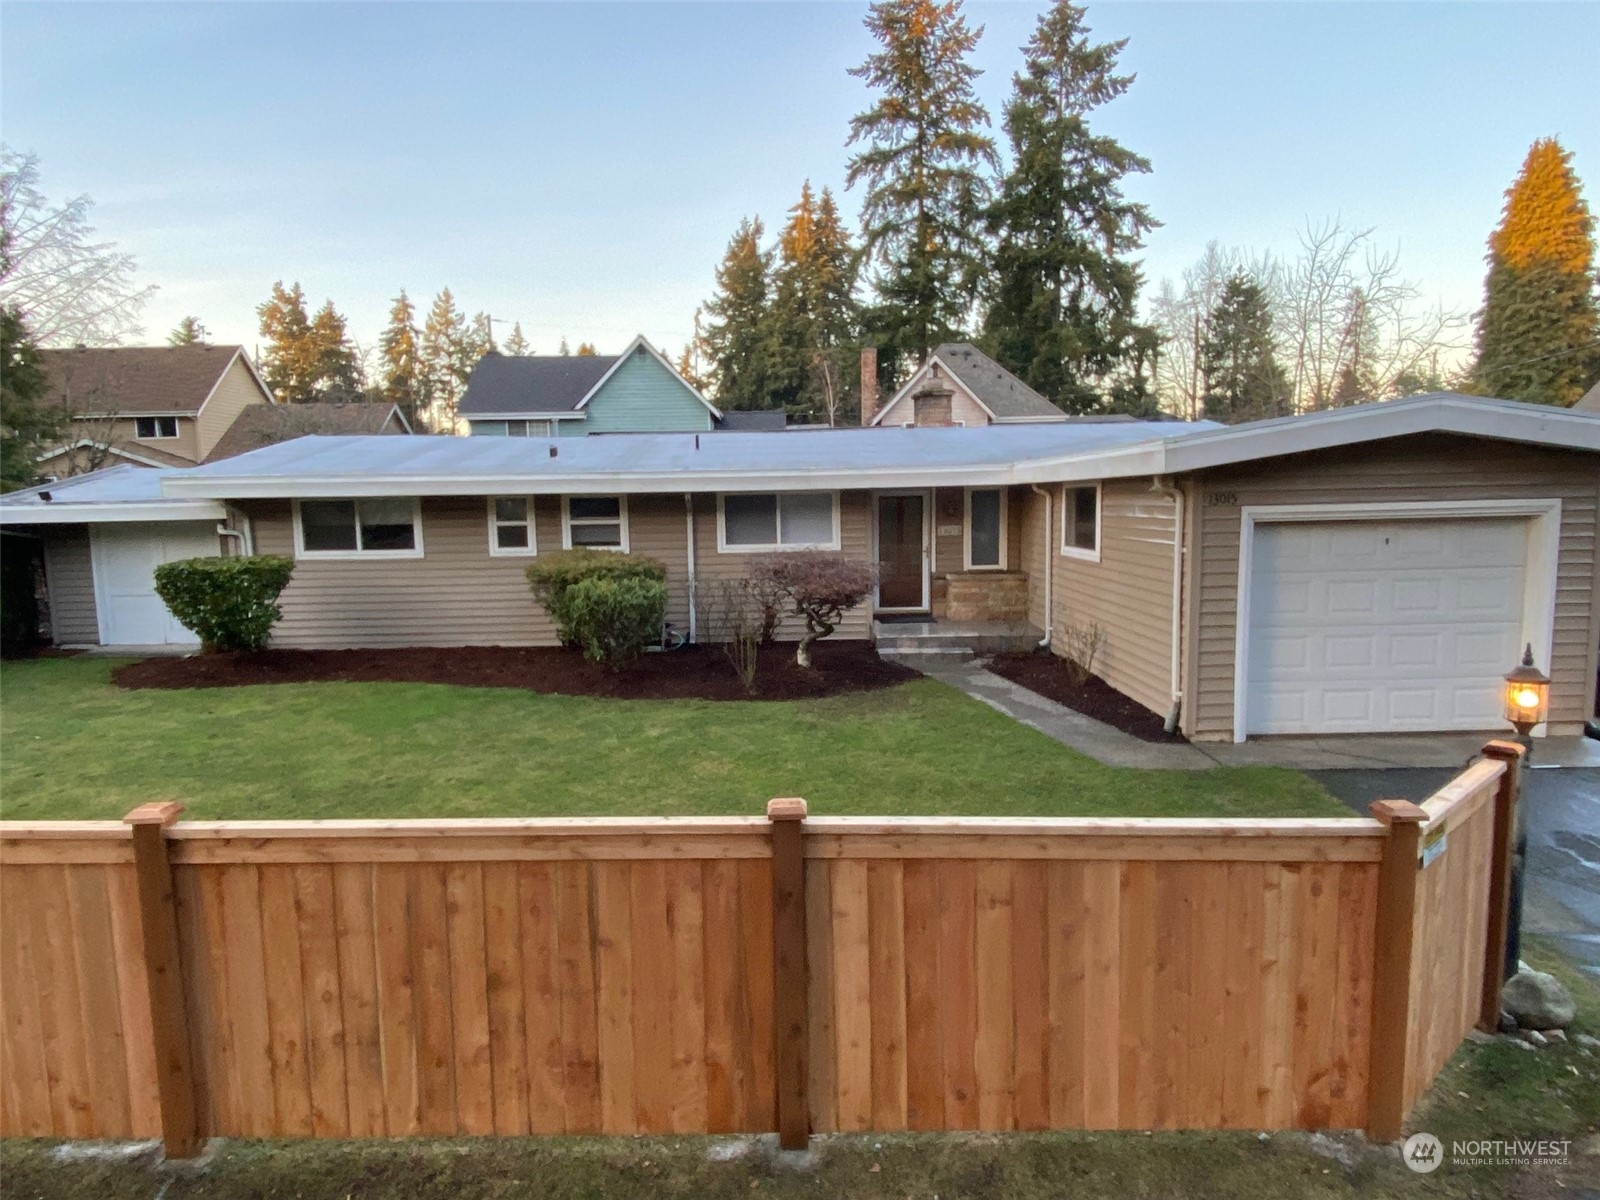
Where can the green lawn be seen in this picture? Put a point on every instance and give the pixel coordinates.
(74, 745)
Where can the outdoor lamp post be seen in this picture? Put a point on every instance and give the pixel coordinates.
(1527, 696)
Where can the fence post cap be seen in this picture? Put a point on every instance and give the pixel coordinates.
(1504, 750)
(1398, 812)
(157, 812)
(787, 808)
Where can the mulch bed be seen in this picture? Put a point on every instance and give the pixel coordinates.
(692, 673)
(1051, 677)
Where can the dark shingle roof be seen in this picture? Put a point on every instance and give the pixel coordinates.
(532, 383)
(1002, 392)
(769, 421)
(135, 379)
(267, 424)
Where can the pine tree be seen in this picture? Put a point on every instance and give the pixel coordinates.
(734, 344)
(1539, 328)
(1243, 379)
(338, 368)
(516, 344)
(1063, 293)
(563, 349)
(812, 315)
(27, 422)
(442, 334)
(399, 353)
(924, 151)
(189, 332)
(292, 363)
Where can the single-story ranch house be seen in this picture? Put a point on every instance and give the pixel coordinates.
(1374, 568)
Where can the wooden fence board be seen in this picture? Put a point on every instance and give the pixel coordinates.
(545, 1063)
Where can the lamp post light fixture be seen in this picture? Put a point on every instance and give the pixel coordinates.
(1527, 696)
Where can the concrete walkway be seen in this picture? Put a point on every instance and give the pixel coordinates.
(1099, 741)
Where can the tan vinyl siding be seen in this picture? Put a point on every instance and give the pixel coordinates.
(1128, 593)
(855, 540)
(964, 410)
(69, 574)
(1423, 468)
(1032, 544)
(121, 432)
(235, 391)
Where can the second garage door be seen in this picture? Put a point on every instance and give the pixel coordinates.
(125, 559)
(1383, 626)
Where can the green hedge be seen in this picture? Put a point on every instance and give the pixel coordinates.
(229, 603)
(553, 576)
(614, 619)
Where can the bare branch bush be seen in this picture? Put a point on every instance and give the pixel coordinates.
(735, 619)
(1080, 646)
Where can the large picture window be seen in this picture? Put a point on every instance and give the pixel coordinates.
(595, 522)
(986, 529)
(1080, 522)
(511, 526)
(754, 521)
(374, 526)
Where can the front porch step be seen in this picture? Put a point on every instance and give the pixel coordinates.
(954, 638)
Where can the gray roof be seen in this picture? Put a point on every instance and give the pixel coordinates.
(123, 492)
(508, 384)
(1000, 391)
(758, 421)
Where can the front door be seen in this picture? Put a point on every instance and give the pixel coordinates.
(902, 552)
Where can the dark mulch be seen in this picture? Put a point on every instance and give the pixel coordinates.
(692, 673)
(1051, 677)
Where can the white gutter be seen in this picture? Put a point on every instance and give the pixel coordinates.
(1049, 563)
(1163, 486)
(688, 526)
(66, 513)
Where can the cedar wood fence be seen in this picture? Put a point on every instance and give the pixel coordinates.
(382, 978)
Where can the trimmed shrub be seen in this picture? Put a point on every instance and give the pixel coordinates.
(614, 619)
(553, 576)
(229, 603)
(820, 586)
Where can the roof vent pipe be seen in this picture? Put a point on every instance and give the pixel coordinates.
(552, 449)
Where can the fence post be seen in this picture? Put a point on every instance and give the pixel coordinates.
(1391, 967)
(163, 969)
(790, 1021)
(1500, 863)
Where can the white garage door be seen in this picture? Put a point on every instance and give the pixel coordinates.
(1383, 626)
(125, 559)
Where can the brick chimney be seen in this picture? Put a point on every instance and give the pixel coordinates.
(869, 384)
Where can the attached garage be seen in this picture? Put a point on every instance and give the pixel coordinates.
(124, 557)
(1386, 624)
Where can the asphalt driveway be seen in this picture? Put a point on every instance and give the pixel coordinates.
(1561, 809)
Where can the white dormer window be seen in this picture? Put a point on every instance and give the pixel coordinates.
(151, 429)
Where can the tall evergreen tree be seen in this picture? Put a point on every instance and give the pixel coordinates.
(516, 344)
(1243, 379)
(1062, 292)
(442, 333)
(338, 367)
(1539, 328)
(400, 355)
(564, 350)
(189, 332)
(812, 316)
(923, 159)
(27, 422)
(292, 363)
(734, 343)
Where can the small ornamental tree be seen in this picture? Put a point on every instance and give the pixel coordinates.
(229, 603)
(608, 605)
(820, 587)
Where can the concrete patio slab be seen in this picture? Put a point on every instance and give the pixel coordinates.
(1440, 751)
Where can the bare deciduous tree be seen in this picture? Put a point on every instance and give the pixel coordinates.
(68, 287)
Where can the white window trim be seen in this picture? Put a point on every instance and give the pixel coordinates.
(725, 547)
(622, 518)
(300, 550)
(157, 436)
(929, 542)
(1539, 577)
(496, 550)
(1070, 551)
(966, 530)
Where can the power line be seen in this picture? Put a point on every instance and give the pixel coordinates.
(1541, 357)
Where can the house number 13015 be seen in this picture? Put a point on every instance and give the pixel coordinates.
(1222, 499)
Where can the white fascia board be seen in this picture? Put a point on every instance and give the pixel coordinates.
(63, 512)
(525, 416)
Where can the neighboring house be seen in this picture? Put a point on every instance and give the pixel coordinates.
(560, 395)
(958, 385)
(153, 406)
(266, 425)
(1367, 569)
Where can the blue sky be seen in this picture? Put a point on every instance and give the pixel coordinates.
(580, 167)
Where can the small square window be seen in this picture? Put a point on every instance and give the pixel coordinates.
(511, 525)
(155, 428)
(598, 522)
(1080, 522)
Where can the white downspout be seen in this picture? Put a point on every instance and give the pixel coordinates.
(1049, 564)
(246, 542)
(1163, 486)
(688, 527)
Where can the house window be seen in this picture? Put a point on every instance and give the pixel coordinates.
(598, 522)
(778, 521)
(511, 525)
(375, 526)
(986, 529)
(511, 428)
(1080, 522)
(152, 429)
